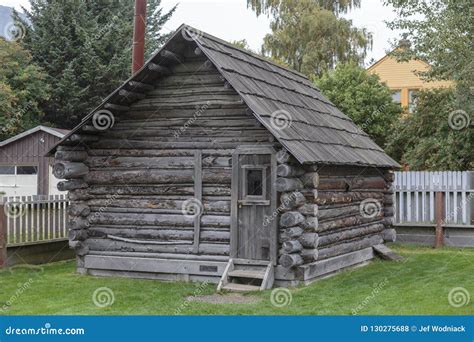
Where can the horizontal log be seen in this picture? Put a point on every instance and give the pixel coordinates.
(349, 247)
(389, 235)
(145, 233)
(78, 223)
(347, 222)
(309, 255)
(131, 94)
(285, 170)
(78, 209)
(74, 156)
(114, 245)
(79, 247)
(158, 204)
(328, 213)
(290, 260)
(77, 234)
(141, 85)
(178, 162)
(288, 184)
(309, 240)
(291, 246)
(64, 170)
(309, 209)
(326, 198)
(311, 223)
(348, 234)
(290, 200)
(157, 190)
(212, 176)
(293, 232)
(158, 69)
(158, 220)
(291, 218)
(72, 185)
(78, 195)
(283, 157)
(310, 179)
(81, 139)
(388, 221)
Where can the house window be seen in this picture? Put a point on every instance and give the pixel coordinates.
(412, 99)
(397, 96)
(26, 170)
(254, 182)
(7, 170)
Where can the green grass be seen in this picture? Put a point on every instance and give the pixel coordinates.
(419, 285)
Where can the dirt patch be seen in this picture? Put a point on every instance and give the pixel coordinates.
(230, 298)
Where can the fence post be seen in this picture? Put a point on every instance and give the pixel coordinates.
(439, 215)
(3, 235)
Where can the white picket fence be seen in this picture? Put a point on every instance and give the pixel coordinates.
(33, 219)
(415, 196)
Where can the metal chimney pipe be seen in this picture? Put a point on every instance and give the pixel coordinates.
(138, 53)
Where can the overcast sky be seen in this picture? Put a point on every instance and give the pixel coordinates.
(231, 20)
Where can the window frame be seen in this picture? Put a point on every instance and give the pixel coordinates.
(254, 199)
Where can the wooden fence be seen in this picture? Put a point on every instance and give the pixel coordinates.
(33, 219)
(415, 196)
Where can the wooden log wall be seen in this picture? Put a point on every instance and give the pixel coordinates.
(172, 148)
(329, 211)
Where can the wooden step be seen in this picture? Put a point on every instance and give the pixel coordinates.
(250, 262)
(248, 274)
(240, 287)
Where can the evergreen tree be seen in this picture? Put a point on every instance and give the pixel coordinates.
(85, 48)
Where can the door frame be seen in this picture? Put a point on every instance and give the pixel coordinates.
(234, 225)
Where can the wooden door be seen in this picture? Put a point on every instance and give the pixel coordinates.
(253, 224)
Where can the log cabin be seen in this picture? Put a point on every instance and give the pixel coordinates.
(214, 164)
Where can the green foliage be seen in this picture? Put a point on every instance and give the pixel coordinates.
(440, 32)
(436, 136)
(273, 6)
(363, 98)
(313, 39)
(241, 44)
(85, 48)
(23, 90)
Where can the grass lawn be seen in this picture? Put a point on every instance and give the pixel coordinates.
(418, 285)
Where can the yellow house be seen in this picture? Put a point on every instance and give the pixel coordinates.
(402, 78)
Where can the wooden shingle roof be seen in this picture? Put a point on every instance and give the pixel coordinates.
(315, 131)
